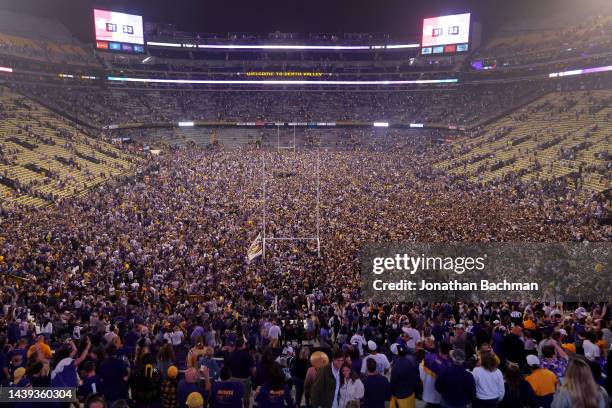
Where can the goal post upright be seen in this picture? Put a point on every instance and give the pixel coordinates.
(318, 201)
(285, 147)
(263, 236)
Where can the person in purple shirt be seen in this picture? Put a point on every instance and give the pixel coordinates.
(13, 332)
(455, 384)
(377, 388)
(198, 331)
(274, 393)
(18, 356)
(130, 341)
(227, 393)
(114, 374)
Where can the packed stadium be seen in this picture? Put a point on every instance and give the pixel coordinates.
(392, 204)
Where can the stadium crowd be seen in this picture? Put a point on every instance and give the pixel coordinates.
(141, 292)
(456, 105)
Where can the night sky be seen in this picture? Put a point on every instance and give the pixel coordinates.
(401, 18)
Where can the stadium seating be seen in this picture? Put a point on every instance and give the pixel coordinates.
(41, 40)
(45, 50)
(553, 137)
(531, 44)
(50, 157)
(454, 105)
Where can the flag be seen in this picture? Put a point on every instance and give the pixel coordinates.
(255, 249)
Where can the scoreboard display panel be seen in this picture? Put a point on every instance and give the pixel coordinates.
(445, 31)
(118, 31)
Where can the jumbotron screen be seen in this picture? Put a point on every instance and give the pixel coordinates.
(118, 31)
(446, 30)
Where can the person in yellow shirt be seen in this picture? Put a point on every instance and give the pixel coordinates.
(543, 382)
(42, 347)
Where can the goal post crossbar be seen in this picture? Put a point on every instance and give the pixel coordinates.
(291, 238)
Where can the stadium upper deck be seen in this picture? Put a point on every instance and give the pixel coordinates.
(48, 47)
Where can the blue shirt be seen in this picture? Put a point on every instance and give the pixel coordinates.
(112, 371)
(377, 390)
(456, 385)
(404, 377)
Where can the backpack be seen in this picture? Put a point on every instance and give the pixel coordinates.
(146, 385)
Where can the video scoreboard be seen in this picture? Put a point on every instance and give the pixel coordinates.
(118, 32)
(446, 34)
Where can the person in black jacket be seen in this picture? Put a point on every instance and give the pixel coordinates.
(326, 386)
(298, 366)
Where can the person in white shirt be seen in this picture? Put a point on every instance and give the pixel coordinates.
(274, 333)
(110, 335)
(413, 336)
(359, 341)
(489, 382)
(176, 337)
(351, 390)
(429, 369)
(382, 362)
(580, 312)
(47, 330)
(591, 350)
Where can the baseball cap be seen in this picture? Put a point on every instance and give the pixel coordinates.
(533, 360)
(372, 346)
(194, 400)
(172, 371)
